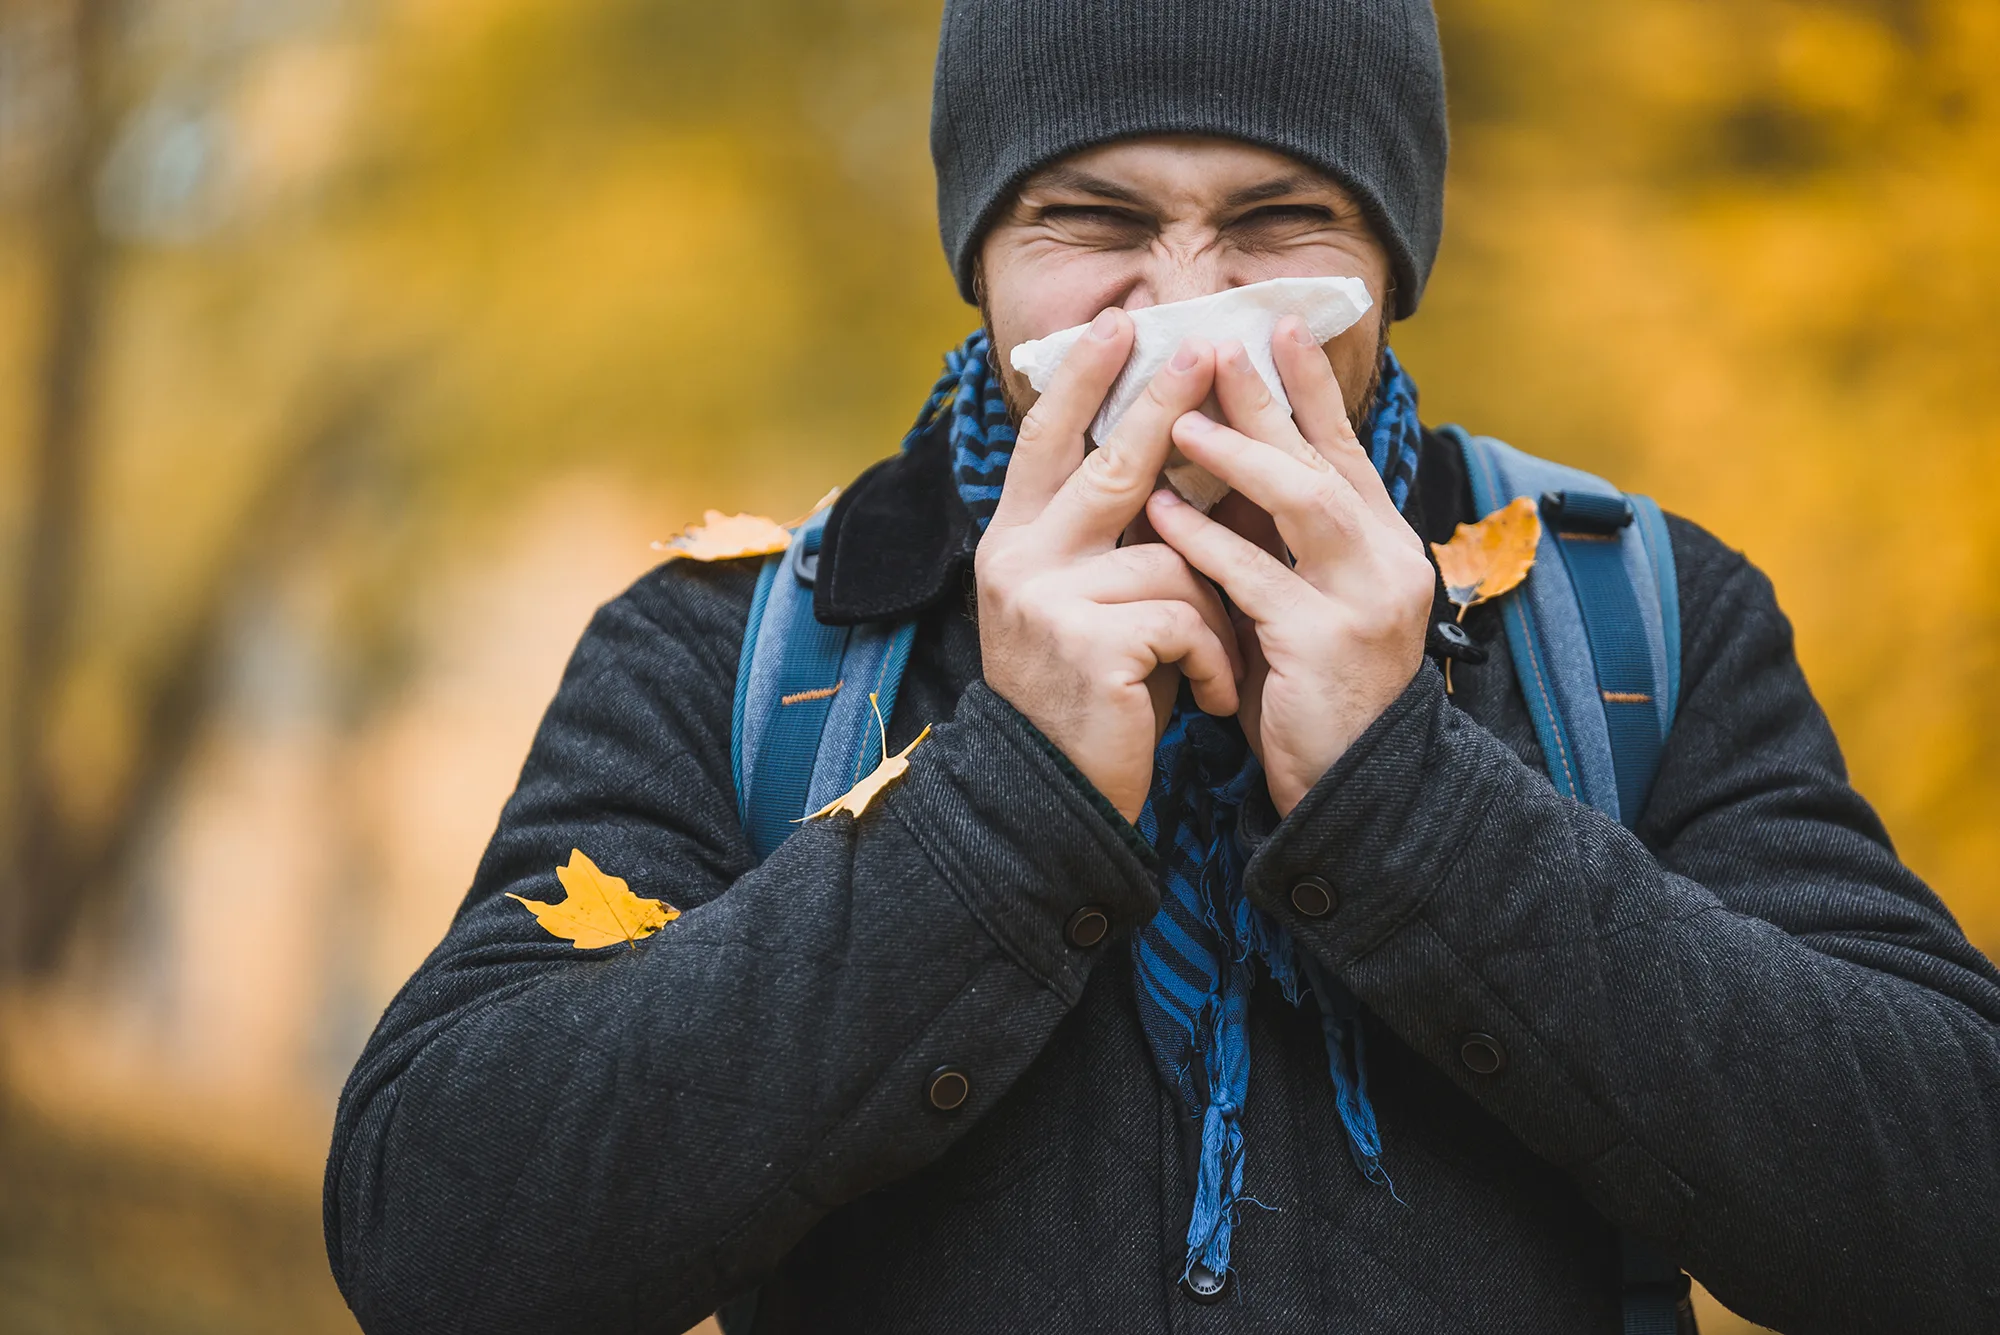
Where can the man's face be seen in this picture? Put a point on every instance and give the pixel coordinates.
(1147, 221)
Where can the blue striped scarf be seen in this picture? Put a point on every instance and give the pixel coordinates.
(1195, 962)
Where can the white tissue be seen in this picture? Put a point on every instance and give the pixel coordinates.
(1246, 314)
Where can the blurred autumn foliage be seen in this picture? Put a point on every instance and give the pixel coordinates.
(354, 348)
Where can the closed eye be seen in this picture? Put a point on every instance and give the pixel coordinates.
(1098, 226)
(1092, 213)
(1317, 214)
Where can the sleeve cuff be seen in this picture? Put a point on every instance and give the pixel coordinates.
(1113, 817)
(1379, 831)
(1024, 840)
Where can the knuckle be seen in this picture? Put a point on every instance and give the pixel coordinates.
(1162, 622)
(1415, 577)
(1108, 469)
(1034, 426)
(1188, 624)
(1158, 560)
(1333, 508)
(1323, 494)
(995, 564)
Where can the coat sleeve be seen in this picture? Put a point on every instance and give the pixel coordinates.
(1748, 1033)
(544, 1139)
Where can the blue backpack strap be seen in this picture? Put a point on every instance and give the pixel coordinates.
(1597, 650)
(1595, 637)
(1660, 553)
(803, 731)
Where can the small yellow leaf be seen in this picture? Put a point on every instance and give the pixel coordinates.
(721, 537)
(600, 909)
(1486, 559)
(856, 799)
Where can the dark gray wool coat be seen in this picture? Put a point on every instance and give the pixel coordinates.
(1747, 1033)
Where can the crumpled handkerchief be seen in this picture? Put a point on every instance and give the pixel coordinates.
(1247, 314)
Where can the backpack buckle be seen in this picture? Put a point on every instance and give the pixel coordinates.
(803, 558)
(1585, 512)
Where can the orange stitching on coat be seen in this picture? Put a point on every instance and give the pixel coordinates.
(823, 693)
(1627, 697)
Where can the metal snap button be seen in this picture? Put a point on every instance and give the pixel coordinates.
(1086, 927)
(1482, 1054)
(1313, 897)
(948, 1088)
(1204, 1286)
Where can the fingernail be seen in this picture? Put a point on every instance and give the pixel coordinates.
(1239, 357)
(1106, 323)
(1166, 496)
(1302, 334)
(1185, 359)
(1199, 423)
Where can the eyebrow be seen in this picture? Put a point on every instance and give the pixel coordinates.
(1082, 182)
(1071, 178)
(1276, 188)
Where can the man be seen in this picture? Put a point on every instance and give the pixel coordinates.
(914, 1071)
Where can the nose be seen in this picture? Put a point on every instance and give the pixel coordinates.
(1171, 272)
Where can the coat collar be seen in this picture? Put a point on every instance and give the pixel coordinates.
(900, 538)
(897, 538)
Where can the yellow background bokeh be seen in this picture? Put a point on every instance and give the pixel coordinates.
(411, 322)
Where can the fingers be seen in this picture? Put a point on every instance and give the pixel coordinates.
(1155, 572)
(1318, 406)
(1319, 409)
(1317, 512)
(1249, 406)
(1173, 632)
(1110, 487)
(1257, 582)
(1049, 443)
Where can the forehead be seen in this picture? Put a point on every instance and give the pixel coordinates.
(1197, 169)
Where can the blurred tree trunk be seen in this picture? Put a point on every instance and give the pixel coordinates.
(57, 864)
(178, 699)
(73, 256)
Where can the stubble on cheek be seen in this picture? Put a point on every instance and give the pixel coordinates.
(1017, 398)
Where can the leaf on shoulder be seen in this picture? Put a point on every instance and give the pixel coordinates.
(599, 910)
(1486, 559)
(721, 537)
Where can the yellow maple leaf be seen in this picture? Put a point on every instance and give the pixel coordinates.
(600, 909)
(856, 799)
(1484, 560)
(721, 537)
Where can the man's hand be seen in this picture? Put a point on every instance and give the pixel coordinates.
(1088, 639)
(1330, 641)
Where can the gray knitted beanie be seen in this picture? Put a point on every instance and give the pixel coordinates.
(1354, 87)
